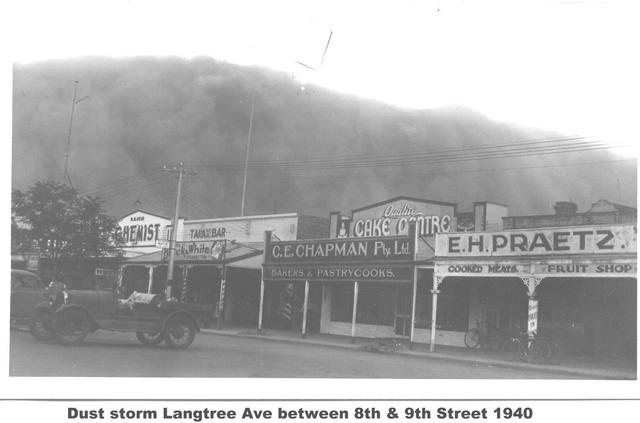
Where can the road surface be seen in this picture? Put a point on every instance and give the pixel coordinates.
(120, 354)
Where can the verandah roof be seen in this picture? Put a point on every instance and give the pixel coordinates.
(239, 255)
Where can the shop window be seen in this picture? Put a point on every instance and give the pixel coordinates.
(453, 306)
(375, 304)
(342, 302)
(453, 312)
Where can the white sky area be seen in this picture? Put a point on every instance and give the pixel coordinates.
(562, 65)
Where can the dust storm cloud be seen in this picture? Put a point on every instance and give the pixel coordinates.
(145, 112)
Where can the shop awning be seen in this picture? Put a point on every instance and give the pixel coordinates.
(243, 255)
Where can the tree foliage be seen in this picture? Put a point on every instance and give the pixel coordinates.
(61, 223)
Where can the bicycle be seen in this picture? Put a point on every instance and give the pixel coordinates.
(539, 350)
(547, 351)
(483, 336)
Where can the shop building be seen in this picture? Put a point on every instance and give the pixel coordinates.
(576, 284)
(386, 304)
(566, 214)
(218, 261)
(585, 297)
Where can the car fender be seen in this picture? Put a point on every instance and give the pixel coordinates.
(166, 318)
(65, 307)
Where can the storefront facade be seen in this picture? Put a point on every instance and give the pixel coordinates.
(218, 261)
(576, 284)
(343, 265)
(383, 307)
(387, 308)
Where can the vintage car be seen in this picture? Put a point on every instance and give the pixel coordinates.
(68, 316)
(27, 290)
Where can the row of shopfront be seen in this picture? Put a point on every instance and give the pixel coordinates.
(404, 268)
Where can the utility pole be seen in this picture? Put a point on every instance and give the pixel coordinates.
(73, 108)
(246, 157)
(180, 170)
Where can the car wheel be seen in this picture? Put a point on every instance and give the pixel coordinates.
(179, 331)
(70, 327)
(40, 325)
(149, 338)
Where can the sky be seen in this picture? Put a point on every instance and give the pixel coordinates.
(558, 65)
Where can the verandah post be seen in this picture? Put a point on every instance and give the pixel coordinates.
(267, 239)
(413, 231)
(261, 310)
(355, 310)
(223, 284)
(150, 284)
(304, 309)
(413, 306)
(434, 312)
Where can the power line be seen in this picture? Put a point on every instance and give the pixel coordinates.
(199, 206)
(445, 172)
(138, 185)
(132, 187)
(408, 154)
(122, 181)
(434, 158)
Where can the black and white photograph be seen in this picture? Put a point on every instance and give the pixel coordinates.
(413, 191)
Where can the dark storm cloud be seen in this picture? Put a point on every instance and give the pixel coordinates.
(145, 112)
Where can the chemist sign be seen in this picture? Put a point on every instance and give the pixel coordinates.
(141, 229)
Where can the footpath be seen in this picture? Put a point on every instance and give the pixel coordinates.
(580, 366)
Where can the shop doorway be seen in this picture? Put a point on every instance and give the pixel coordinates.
(500, 304)
(590, 316)
(244, 296)
(404, 304)
(283, 306)
(492, 305)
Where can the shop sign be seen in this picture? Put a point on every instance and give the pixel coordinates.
(532, 320)
(558, 241)
(496, 268)
(340, 273)
(572, 269)
(340, 250)
(199, 251)
(107, 272)
(141, 229)
(249, 229)
(394, 218)
(206, 232)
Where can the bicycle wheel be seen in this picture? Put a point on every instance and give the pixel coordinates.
(538, 351)
(472, 338)
(511, 349)
(555, 353)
